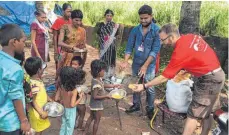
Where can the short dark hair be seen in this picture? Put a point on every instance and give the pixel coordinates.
(80, 76)
(8, 32)
(96, 67)
(77, 14)
(32, 65)
(69, 77)
(20, 57)
(65, 6)
(39, 12)
(77, 58)
(108, 11)
(145, 9)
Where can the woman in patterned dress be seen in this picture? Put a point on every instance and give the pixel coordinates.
(107, 32)
(72, 39)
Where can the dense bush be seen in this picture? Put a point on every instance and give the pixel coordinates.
(213, 15)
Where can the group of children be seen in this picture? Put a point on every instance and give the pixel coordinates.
(70, 94)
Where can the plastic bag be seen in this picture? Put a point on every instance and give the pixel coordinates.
(179, 95)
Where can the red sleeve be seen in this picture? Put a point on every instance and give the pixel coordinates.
(33, 26)
(157, 68)
(177, 62)
(57, 24)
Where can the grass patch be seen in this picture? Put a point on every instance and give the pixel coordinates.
(213, 14)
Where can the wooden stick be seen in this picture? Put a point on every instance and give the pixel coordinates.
(141, 106)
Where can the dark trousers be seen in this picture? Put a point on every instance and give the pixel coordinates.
(16, 132)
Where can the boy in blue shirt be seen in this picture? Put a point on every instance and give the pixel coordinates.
(12, 99)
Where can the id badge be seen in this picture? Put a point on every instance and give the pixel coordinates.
(141, 48)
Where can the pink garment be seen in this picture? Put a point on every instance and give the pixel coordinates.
(40, 40)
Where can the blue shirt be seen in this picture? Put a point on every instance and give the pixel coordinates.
(151, 45)
(11, 88)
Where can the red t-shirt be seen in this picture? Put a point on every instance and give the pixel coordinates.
(59, 22)
(193, 54)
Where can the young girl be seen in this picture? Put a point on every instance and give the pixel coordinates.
(37, 116)
(98, 68)
(76, 63)
(81, 107)
(69, 78)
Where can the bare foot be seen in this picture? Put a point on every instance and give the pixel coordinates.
(80, 129)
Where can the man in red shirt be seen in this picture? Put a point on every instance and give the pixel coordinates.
(67, 9)
(194, 55)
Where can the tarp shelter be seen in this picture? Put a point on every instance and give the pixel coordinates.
(17, 12)
(58, 10)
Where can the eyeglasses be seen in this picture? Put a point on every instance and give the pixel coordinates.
(162, 40)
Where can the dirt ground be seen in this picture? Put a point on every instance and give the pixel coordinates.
(109, 125)
(132, 124)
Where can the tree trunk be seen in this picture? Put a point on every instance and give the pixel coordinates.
(190, 17)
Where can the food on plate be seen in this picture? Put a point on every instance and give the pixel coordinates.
(182, 75)
(116, 96)
(131, 86)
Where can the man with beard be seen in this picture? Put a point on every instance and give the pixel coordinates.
(12, 99)
(194, 55)
(145, 41)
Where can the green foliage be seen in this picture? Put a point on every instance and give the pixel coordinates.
(214, 18)
(213, 15)
(121, 50)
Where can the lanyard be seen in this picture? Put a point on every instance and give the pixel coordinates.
(143, 39)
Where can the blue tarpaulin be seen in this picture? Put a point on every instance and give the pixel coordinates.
(20, 13)
(58, 10)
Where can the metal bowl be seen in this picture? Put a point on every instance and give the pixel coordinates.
(54, 109)
(44, 65)
(118, 94)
